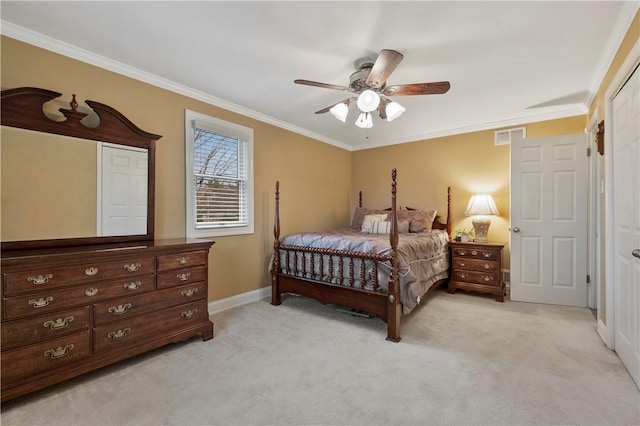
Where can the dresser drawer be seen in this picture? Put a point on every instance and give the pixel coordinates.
(145, 327)
(181, 277)
(127, 307)
(181, 260)
(34, 329)
(40, 279)
(475, 253)
(16, 307)
(475, 264)
(31, 360)
(491, 279)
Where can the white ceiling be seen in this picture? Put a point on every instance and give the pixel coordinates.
(509, 63)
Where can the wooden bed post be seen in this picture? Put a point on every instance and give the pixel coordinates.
(393, 311)
(275, 265)
(449, 211)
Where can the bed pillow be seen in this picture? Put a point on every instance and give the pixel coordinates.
(421, 220)
(403, 226)
(381, 227)
(359, 214)
(369, 221)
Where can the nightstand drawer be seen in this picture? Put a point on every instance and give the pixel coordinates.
(476, 253)
(491, 279)
(475, 265)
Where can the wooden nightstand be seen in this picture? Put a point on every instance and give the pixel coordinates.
(477, 267)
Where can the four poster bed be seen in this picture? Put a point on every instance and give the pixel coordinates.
(383, 265)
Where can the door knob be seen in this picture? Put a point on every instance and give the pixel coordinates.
(516, 229)
(636, 253)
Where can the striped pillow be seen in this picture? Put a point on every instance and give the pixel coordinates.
(381, 227)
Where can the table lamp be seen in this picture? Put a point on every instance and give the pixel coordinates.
(481, 206)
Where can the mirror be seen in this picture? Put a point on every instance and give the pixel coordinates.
(66, 183)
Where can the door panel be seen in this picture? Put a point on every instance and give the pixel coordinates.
(549, 220)
(626, 223)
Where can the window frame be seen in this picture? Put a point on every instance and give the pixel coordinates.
(224, 128)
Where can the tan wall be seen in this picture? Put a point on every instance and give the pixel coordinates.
(631, 38)
(469, 163)
(315, 177)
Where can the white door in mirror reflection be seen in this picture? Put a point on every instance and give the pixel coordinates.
(122, 206)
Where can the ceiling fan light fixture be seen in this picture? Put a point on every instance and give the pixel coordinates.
(364, 121)
(394, 110)
(340, 111)
(368, 101)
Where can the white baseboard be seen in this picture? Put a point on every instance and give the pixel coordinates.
(602, 331)
(239, 300)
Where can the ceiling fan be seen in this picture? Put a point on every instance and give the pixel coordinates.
(369, 84)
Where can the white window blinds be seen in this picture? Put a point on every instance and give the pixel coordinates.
(220, 174)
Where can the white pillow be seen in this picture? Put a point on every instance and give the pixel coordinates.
(381, 227)
(370, 220)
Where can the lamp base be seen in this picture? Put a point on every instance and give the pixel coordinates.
(481, 228)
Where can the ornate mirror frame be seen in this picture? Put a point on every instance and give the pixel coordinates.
(23, 108)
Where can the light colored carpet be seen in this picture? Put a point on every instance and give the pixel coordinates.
(463, 359)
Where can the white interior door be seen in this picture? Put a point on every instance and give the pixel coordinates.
(123, 204)
(626, 216)
(549, 220)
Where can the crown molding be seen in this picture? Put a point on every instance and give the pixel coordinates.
(40, 40)
(562, 112)
(623, 23)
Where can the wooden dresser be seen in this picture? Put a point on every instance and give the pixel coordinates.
(477, 267)
(71, 310)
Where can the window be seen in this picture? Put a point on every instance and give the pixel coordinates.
(219, 181)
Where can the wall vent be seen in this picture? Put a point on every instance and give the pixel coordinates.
(504, 137)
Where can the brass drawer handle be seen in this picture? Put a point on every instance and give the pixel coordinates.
(91, 271)
(115, 335)
(183, 260)
(91, 291)
(462, 252)
(59, 352)
(40, 279)
(487, 265)
(487, 278)
(474, 252)
(121, 309)
(132, 267)
(463, 275)
(462, 264)
(190, 292)
(132, 286)
(184, 276)
(189, 314)
(58, 324)
(41, 303)
(487, 254)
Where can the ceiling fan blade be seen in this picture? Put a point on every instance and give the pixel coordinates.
(346, 101)
(382, 108)
(436, 88)
(387, 61)
(323, 85)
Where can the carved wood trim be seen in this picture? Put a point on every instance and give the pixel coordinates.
(600, 138)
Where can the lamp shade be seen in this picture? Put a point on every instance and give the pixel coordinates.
(364, 121)
(368, 101)
(340, 111)
(394, 110)
(481, 204)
